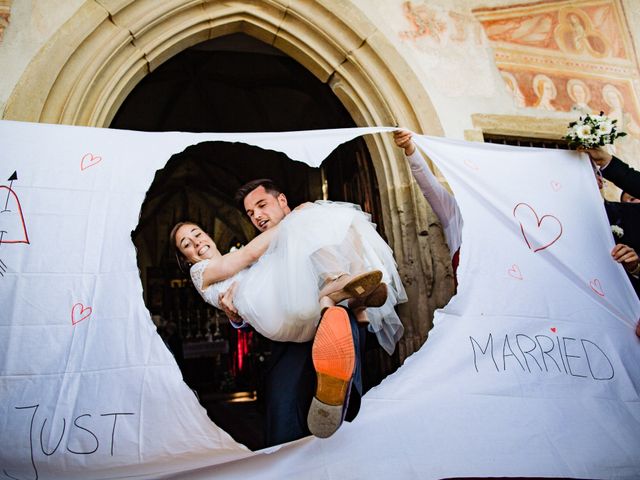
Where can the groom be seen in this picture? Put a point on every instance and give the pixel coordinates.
(291, 378)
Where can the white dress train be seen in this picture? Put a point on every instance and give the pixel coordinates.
(278, 295)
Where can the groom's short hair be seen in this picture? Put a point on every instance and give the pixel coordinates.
(269, 185)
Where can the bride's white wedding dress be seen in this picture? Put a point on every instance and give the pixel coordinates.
(278, 295)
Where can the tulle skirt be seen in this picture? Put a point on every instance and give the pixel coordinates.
(278, 295)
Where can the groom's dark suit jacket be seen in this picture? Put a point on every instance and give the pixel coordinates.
(623, 176)
(627, 217)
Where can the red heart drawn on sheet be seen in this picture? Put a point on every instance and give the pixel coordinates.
(553, 329)
(555, 185)
(515, 272)
(596, 286)
(12, 226)
(89, 160)
(471, 165)
(536, 235)
(79, 313)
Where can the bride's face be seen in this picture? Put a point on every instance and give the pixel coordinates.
(194, 243)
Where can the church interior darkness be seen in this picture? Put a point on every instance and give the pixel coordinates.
(232, 84)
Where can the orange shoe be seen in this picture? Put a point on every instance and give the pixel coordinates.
(334, 359)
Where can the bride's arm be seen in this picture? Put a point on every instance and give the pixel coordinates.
(231, 263)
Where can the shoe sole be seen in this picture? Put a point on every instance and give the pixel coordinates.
(358, 287)
(333, 355)
(324, 420)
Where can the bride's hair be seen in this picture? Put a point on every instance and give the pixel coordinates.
(183, 263)
(269, 185)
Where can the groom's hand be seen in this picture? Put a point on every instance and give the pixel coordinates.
(225, 300)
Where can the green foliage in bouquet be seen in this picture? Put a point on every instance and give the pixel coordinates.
(592, 131)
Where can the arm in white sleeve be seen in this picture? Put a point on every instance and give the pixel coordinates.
(442, 202)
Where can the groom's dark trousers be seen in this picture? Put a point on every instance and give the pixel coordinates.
(290, 385)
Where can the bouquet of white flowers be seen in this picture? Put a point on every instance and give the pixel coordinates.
(592, 131)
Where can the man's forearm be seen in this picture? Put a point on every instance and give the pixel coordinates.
(623, 176)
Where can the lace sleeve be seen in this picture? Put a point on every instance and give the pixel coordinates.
(197, 274)
(209, 294)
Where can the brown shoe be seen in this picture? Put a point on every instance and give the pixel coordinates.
(352, 286)
(375, 299)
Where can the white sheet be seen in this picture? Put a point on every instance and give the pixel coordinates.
(557, 395)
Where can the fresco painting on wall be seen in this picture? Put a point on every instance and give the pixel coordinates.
(512, 85)
(580, 95)
(545, 91)
(424, 22)
(5, 12)
(576, 34)
(446, 41)
(567, 92)
(563, 56)
(427, 22)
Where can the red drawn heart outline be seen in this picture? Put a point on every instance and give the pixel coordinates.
(24, 227)
(514, 272)
(539, 222)
(555, 186)
(82, 310)
(94, 160)
(471, 164)
(596, 286)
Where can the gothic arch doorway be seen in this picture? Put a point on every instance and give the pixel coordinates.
(232, 84)
(84, 73)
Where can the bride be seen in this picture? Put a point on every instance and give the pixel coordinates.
(320, 254)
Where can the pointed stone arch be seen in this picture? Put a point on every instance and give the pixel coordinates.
(87, 69)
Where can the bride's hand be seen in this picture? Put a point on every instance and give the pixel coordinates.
(225, 300)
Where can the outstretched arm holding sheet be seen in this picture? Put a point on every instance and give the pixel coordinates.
(442, 202)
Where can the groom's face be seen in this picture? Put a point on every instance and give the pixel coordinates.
(265, 209)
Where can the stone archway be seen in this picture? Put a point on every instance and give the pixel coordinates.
(84, 73)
